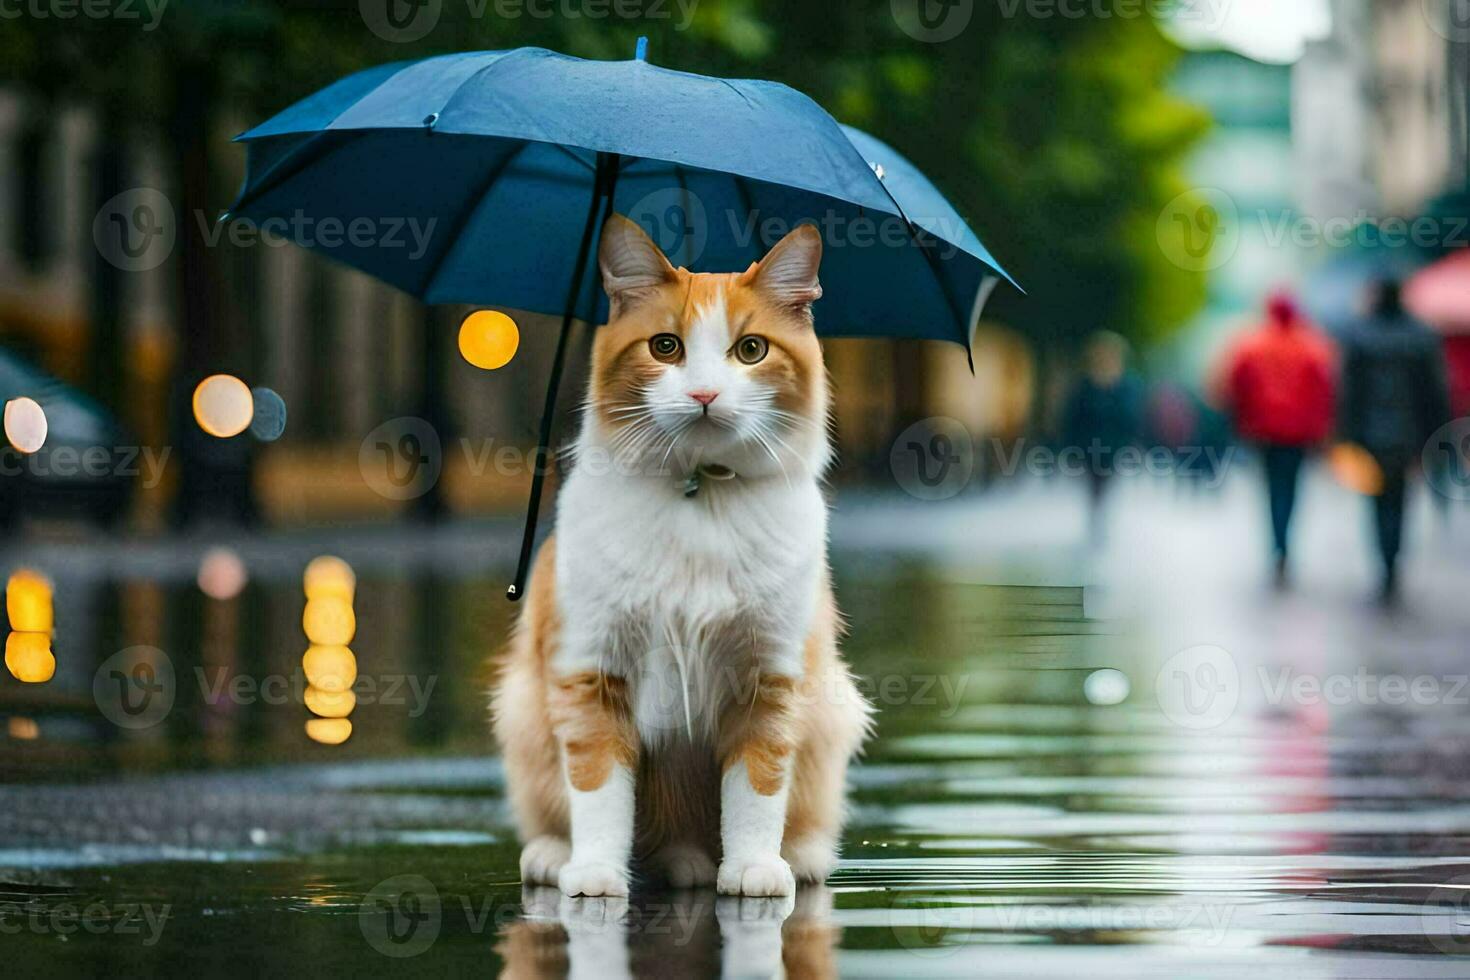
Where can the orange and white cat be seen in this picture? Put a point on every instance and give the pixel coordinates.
(673, 698)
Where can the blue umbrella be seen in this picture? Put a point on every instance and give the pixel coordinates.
(477, 177)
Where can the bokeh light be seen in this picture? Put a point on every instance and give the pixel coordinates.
(1355, 468)
(1106, 686)
(22, 728)
(329, 668)
(25, 424)
(488, 339)
(330, 704)
(329, 665)
(28, 602)
(329, 731)
(222, 574)
(28, 657)
(223, 406)
(329, 621)
(269, 421)
(329, 576)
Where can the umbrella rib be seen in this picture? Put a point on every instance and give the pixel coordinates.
(466, 214)
(959, 318)
(742, 187)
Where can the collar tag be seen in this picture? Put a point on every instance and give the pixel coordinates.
(712, 471)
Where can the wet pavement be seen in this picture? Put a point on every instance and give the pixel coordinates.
(1133, 761)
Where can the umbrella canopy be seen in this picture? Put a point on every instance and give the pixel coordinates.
(1440, 295)
(481, 177)
(469, 177)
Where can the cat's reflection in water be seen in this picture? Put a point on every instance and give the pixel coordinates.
(672, 934)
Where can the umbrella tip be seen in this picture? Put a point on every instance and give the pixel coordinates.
(641, 54)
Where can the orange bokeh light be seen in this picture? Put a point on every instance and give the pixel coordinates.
(329, 668)
(329, 576)
(28, 657)
(329, 621)
(488, 339)
(28, 602)
(329, 731)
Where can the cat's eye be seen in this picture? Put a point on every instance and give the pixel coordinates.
(752, 349)
(666, 347)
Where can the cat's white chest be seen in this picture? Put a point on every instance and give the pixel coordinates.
(682, 596)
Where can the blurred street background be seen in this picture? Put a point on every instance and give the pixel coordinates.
(1118, 692)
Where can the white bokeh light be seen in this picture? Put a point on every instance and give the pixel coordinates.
(25, 424)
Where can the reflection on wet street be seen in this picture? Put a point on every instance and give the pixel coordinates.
(1133, 763)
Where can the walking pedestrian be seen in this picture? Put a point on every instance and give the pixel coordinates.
(1103, 415)
(1278, 386)
(1394, 398)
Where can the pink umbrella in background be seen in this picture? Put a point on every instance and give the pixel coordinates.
(1440, 295)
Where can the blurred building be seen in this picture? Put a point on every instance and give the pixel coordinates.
(1380, 109)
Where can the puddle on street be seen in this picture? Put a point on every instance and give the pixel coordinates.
(1028, 808)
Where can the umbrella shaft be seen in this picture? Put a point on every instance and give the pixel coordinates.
(602, 188)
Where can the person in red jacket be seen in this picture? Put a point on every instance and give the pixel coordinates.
(1279, 385)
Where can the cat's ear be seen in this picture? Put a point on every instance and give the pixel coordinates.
(630, 262)
(788, 273)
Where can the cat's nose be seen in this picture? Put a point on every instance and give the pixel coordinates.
(704, 397)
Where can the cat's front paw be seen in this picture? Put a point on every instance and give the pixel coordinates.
(766, 875)
(542, 859)
(593, 879)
